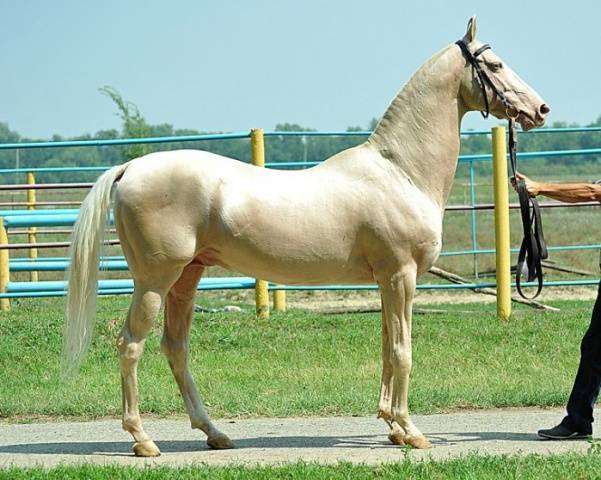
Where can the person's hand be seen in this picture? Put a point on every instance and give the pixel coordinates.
(532, 187)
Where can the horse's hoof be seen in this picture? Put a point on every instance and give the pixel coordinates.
(220, 442)
(397, 438)
(420, 442)
(146, 448)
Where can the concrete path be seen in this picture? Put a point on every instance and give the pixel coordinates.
(279, 440)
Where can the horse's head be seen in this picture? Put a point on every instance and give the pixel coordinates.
(488, 84)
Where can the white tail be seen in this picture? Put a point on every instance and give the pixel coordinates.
(86, 244)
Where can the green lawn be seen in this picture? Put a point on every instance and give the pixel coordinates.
(472, 467)
(298, 363)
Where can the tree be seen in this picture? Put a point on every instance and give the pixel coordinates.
(134, 124)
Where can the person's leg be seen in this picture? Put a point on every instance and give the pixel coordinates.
(588, 378)
(586, 385)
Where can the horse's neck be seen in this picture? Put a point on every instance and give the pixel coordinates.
(420, 130)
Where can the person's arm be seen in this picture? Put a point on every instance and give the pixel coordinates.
(564, 192)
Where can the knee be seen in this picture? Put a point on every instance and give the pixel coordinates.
(401, 359)
(129, 350)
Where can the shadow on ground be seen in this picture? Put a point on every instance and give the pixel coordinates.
(296, 442)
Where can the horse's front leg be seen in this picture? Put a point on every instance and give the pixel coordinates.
(397, 292)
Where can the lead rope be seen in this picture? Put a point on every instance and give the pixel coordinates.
(533, 249)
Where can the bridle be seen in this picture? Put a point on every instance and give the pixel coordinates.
(533, 248)
(484, 78)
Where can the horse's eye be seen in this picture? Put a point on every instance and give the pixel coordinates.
(495, 66)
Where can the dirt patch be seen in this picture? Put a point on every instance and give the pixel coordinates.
(328, 301)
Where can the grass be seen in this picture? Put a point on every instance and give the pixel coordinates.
(298, 363)
(471, 467)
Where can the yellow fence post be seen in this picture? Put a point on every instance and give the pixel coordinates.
(502, 248)
(4, 268)
(257, 146)
(31, 233)
(279, 300)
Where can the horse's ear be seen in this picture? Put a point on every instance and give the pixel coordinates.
(470, 34)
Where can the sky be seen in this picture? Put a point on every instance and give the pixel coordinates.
(228, 65)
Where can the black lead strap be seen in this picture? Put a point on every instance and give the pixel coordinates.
(533, 249)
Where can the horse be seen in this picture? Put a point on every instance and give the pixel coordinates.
(371, 213)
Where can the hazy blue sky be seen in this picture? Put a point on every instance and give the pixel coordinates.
(232, 65)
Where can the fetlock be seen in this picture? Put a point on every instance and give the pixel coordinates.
(385, 415)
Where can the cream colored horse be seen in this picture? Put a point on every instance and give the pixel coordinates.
(372, 213)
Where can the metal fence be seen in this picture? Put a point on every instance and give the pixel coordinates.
(29, 220)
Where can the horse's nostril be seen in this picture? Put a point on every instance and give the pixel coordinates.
(544, 109)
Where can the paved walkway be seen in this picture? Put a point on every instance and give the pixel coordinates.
(272, 441)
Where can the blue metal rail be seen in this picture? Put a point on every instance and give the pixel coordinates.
(65, 220)
(51, 265)
(116, 287)
(302, 164)
(34, 220)
(49, 211)
(124, 141)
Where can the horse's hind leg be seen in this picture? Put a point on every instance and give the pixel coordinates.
(146, 303)
(142, 312)
(179, 310)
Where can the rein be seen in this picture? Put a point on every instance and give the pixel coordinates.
(533, 248)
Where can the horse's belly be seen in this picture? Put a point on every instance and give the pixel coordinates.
(294, 267)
